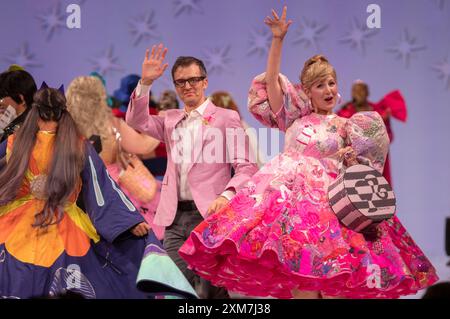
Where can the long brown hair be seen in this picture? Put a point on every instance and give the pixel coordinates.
(67, 162)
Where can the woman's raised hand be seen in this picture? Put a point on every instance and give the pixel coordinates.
(278, 25)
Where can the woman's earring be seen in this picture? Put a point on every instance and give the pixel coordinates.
(313, 108)
(339, 98)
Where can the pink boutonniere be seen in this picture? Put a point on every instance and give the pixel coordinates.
(207, 120)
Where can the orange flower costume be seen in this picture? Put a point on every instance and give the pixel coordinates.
(32, 244)
(92, 253)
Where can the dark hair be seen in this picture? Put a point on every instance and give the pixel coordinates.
(185, 61)
(16, 83)
(151, 102)
(67, 160)
(168, 100)
(363, 85)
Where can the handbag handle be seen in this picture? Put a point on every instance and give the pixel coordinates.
(343, 158)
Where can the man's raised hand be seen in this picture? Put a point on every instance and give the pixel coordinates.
(153, 66)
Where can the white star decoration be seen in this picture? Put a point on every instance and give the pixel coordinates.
(259, 42)
(309, 33)
(358, 36)
(217, 59)
(106, 63)
(143, 28)
(186, 6)
(52, 20)
(443, 70)
(23, 57)
(406, 48)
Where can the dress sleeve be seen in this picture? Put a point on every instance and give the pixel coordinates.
(109, 209)
(295, 103)
(396, 103)
(367, 134)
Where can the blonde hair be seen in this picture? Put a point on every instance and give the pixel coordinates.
(315, 69)
(86, 102)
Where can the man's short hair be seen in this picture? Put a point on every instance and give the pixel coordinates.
(185, 61)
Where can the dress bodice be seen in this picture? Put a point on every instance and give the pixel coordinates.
(316, 135)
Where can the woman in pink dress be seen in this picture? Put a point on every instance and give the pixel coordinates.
(279, 237)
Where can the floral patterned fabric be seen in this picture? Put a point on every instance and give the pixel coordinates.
(279, 233)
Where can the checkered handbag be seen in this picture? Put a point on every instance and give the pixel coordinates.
(361, 198)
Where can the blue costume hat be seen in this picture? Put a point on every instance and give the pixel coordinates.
(127, 85)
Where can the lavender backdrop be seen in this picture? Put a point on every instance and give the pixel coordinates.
(410, 52)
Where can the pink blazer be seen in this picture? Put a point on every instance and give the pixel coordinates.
(206, 180)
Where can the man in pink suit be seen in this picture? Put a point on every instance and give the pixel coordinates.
(204, 143)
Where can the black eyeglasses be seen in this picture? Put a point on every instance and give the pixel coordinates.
(181, 83)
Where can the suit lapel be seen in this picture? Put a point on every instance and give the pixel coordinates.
(172, 122)
(177, 118)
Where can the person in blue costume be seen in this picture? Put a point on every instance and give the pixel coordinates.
(48, 245)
